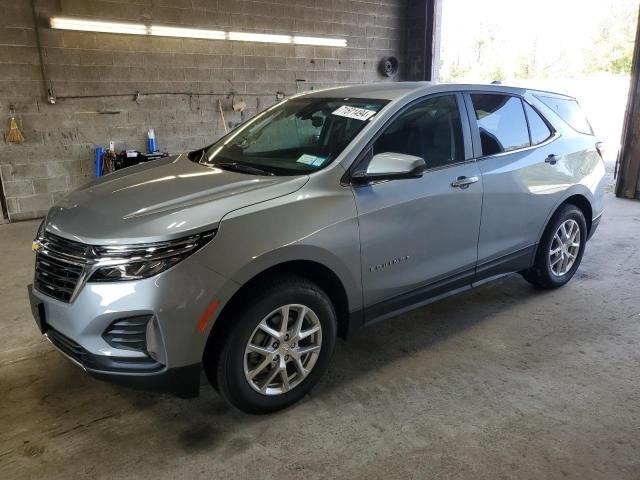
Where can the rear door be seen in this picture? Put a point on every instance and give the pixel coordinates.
(513, 143)
(419, 236)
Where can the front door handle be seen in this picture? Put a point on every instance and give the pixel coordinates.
(463, 182)
(551, 159)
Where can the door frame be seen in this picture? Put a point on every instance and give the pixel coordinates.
(475, 131)
(467, 137)
(4, 212)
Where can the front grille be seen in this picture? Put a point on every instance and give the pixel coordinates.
(56, 278)
(128, 333)
(67, 345)
(59, 266)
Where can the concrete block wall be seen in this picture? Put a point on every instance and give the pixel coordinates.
(57, 155)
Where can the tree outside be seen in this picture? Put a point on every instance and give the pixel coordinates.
(580, 47)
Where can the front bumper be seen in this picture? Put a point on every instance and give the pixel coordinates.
(138, 372)
(594, 226)
(174, 301)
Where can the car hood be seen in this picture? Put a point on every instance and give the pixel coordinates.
(160, 200)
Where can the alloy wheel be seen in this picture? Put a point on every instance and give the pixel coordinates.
(283, 349)
(565, 247)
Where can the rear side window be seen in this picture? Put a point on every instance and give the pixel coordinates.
(501, 121)
(568, 110)
(538, 128)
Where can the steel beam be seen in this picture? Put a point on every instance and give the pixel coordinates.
(628, 165)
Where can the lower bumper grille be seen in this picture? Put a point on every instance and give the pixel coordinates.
(128, 333)
(99, 363)
(66, 345)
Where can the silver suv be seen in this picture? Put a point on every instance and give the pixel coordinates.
(324, 213)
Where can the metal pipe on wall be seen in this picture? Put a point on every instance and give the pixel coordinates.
(51, 97)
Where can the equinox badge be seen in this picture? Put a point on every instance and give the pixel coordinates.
(389, 263)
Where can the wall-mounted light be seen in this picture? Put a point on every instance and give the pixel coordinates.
(329, 42)
(259, 37)
(162, 31)
(69, 23)
(96, 26)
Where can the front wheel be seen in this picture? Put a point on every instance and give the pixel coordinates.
(278, 348)
(560, 250)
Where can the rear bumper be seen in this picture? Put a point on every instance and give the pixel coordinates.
(141, 372)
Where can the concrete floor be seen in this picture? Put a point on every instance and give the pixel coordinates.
(502, 382)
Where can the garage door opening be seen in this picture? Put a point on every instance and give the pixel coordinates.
(584, 49)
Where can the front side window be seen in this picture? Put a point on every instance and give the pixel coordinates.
(431, 129)
(298, 136)
(501, 121)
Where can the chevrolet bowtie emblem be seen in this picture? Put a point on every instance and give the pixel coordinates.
(35, 246)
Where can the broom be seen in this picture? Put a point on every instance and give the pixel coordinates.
(14, 135)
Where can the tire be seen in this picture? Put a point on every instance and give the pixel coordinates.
(229, 368)
(545, 273)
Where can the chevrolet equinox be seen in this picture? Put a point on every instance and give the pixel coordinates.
(324, 213)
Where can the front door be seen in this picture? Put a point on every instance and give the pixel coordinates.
(419, 236)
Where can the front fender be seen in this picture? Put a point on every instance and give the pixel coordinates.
(316, 224)
(309, 253)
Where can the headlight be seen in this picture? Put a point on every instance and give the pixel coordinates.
(134, 262)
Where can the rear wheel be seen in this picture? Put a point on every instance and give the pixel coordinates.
(278, 348)
(560, 250)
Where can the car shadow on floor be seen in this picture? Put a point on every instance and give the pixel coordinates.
(420, 330)
(207, 423)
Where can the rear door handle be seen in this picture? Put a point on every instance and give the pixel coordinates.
(551, 159)
(463, 182)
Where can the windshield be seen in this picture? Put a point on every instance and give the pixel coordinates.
(298, 136)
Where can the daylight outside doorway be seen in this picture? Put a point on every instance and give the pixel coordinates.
(582, 48)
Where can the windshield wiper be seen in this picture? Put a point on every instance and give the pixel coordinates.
(239, 167)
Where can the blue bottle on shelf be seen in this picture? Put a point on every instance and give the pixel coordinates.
(99, 153)
(151, 141)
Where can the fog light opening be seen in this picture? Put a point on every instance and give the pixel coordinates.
(155, 345)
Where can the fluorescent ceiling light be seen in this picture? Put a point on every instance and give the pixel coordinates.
(329, 42)
(259, 37)
(69, 23)
(97, 26)
(186, 32)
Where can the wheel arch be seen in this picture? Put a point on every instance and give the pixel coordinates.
(580, 199)
(312, 270)
(584, 205)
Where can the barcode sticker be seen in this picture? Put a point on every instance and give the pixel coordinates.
(354, 112)
(311, 160)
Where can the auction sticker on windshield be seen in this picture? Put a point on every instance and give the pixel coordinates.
(311, 160)
(354, 112)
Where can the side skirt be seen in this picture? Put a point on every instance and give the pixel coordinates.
(418, 297)
(460, 282)
(514, 262)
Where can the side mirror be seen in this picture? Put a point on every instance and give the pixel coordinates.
(391, 166)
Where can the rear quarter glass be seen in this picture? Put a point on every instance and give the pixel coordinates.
(568, 109)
